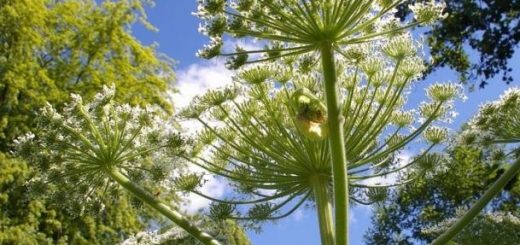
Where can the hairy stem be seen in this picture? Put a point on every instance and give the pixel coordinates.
(149, 199)
(324, 209)
(337, 145)
(495, 189)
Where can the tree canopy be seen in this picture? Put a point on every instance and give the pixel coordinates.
(49, 49)
(485, 151)
(52, 48)
(489, 27)
(408, 211)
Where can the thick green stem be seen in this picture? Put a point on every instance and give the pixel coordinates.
(324, 209)
(495, 189)
(149, 199)
(337, 145)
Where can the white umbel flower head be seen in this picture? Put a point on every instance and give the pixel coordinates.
(428, 12)
(77, 148)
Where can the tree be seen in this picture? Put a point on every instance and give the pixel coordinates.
(491, 28)
(434, 198)
(52, 48)
(48, 50)
(422, 211)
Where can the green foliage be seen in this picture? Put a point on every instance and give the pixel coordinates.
(33, 220)
(423, 211)
(436, 197)
(490, 228)
(227, 231)
(49, 49)
(490, 28)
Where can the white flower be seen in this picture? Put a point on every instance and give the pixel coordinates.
(428, 12)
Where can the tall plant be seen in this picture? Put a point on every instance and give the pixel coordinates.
(497, 122)
(92, 148)
(323, 29)
(268, 134)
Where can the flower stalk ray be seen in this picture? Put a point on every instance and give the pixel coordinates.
(269, 131)
(91, 148)
(324, 29)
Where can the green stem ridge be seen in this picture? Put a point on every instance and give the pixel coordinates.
(337, 145)
(479, 205)
(324, 210)
(174, 216)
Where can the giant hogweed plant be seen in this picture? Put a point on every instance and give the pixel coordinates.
(91, 149)
(267, 133)
(323, 29)
(496, 123)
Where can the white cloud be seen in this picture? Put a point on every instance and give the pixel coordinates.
(404, 158)
(199, 78)
(193, 81)
(212, 187)
(352, 217)
(298, 215)
(248, 45)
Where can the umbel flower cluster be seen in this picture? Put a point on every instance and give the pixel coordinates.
(496, 122)
(267, 133)
(91, 147)
(323, 30)
(496, 127)
(293, 27)
(78, 148)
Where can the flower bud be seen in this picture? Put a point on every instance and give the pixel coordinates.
(371, 65)
(255, 75)
(411, 67)
(211, 50)
(428, 12)
(188, 183)
(260, 211)
(355, 54)
(311, 115)
(435, 135)
(402, 118)
(221, 211)
(211, 7)
(443, 92)
(399, 47)
(431, 110)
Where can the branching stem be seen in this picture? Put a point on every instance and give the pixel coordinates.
(324, 210)
(337, 145)
(479, 205)
(174, 216)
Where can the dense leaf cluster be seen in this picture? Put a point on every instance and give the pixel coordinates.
(485, 150)
(491, 28)
(49, 49)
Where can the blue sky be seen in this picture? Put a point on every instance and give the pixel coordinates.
(179, 39)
